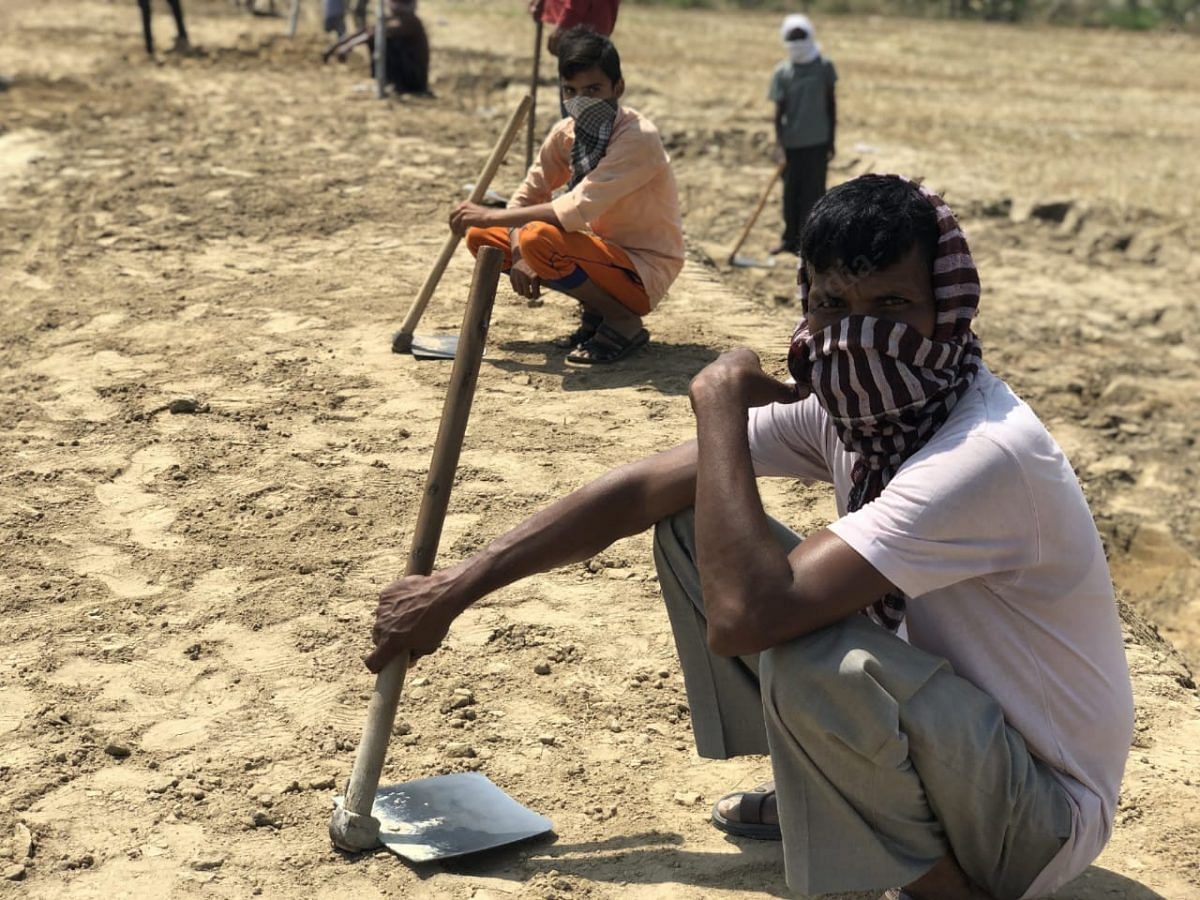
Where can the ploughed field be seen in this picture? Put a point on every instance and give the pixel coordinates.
(186, 596)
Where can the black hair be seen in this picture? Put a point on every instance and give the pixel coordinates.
(580, 49)
(867, 224)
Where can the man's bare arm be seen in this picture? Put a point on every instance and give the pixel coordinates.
(415, 613)
(473, 215)
(756, 595)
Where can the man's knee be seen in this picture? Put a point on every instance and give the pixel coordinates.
(540, 242)
(475, 239)
(674, 534)
(825, 686)
(846, 683)
(806, 668)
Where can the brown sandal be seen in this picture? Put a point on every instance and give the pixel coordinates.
(588, 323)
(607, 346)
(749, 823)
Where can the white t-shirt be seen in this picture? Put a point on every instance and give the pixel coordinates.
(987, 531)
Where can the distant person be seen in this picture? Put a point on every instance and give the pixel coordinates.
(598, 15)
(360, 14)
(614, 239)
(802, 89)
(181, 38)
(407, 57)
(333, 14)
(333, 17)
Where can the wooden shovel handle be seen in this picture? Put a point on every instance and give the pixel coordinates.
(403, 341)
(293, 18)
(381, 712)
(762, 201)
(381, 50)
(533, 86)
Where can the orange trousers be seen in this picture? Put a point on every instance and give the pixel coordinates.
(566, 259)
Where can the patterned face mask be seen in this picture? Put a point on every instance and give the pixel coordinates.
(594, 120)
(887, 388)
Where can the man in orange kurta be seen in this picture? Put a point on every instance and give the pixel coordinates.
(613, 239)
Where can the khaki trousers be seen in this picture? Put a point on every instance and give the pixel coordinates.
(884, 760)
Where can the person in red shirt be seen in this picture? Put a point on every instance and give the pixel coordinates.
(599, 15)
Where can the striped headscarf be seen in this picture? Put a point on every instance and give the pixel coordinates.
(887, 388)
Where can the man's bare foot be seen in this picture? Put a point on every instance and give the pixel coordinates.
(752, 814)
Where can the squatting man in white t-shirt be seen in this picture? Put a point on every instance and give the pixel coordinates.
(938, 676)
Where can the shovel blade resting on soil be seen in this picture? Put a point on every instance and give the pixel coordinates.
(749, 262)
(451, 815)
(434, 346)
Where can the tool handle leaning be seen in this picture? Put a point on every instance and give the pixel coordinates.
(403, 340)
(762, 201)
(349, 831)
(380, 50)
(531, 126)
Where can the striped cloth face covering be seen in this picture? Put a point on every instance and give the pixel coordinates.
(888, 388)
(594, 120)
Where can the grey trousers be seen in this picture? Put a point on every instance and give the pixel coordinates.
(884, 760)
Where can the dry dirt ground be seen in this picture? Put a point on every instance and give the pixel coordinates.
(186, 597)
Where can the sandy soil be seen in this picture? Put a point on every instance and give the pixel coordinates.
(186, 597)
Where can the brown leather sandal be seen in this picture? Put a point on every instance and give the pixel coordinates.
(607, 346)
(749, 823)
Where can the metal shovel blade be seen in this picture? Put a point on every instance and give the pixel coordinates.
(434, 346)
(451, 815)
(749, 262)
(490, 197)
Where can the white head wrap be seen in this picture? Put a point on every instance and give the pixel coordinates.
(804, 51)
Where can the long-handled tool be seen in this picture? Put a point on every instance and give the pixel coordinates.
(380, 50)
(444, 347)
(533, 86)
(293, 18)
(452, 814)
(746, 261)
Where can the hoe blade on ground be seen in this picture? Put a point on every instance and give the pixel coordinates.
(434, 346)
(749, 262)
(451, 815)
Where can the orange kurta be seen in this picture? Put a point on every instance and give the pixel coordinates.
(629, 199)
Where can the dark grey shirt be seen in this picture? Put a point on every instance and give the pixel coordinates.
(803, 91)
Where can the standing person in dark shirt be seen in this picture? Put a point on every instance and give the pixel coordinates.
(802, 89)
(181, 38)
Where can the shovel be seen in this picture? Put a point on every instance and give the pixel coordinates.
(452, 814)
(747, 262)
(444, 346)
